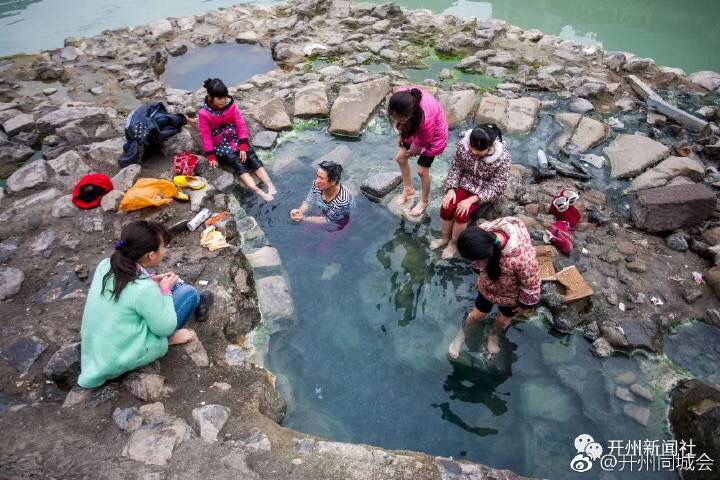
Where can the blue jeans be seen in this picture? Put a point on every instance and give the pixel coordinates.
(186, 299)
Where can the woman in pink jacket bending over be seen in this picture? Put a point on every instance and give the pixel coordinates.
(225, 138)
(423, 132)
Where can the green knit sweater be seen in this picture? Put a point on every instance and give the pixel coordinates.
(120, 336)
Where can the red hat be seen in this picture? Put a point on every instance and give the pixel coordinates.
(90, 189)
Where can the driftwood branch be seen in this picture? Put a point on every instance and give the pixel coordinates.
(656, 103)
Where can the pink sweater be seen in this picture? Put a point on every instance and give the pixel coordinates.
(432, 136)
(519, 281)
(222, 131)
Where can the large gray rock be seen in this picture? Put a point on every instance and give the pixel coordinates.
(458, 105)
(11, 280)
(19, 123)
(7, 249)
(672, 207)
(630, 155)
(64, 363)
(265, 257)
(183, 141)
(377, 185)
(353, 107)
(581, 106)
(87, 116)
(515, 115)
(111, 200)
(23, 353)
(210, 420)
(148, 387)
(11, 155)
(68, 168)
(154, 444)
(671, 167)
(586, 134)
(107, 152)
(32, 175)
(265, 139)
(160, 28)
(311, 101)
(126, 177)
(272, 115)
(64, 208)
(695, 413)
(45, 243)
(274, 298)
(339, 155)
(706, 79)
(44, 196)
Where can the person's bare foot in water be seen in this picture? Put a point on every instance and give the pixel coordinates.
(449, 251)
(492, 344)
(265, 196)
(439, 243)
(184, 335)
(418, 209)
(456, 345)
(272, 190)
(404, 197)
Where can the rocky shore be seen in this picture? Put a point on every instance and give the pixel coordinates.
(651, 223)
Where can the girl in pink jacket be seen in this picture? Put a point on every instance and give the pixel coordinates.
(422, 131)
(224, 137)
(508, 276)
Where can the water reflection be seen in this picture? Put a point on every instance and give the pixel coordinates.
(233, 63)
(406, 256)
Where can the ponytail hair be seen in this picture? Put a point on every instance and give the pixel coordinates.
(137, 239)
(478, 244)
(484, 135)
(407, 104)
(215, 88)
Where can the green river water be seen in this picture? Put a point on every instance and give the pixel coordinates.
(676, 33)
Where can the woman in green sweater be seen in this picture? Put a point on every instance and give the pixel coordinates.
(131, 316)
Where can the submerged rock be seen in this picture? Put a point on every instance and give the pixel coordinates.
(376, 186)
(695, 414)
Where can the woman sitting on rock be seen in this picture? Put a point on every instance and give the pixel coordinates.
(328, 197)
(504, 259)
(422, 131)
(131, 316)
(478, 175)
(224, 137)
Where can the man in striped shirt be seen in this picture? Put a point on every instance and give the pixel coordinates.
(328, 201)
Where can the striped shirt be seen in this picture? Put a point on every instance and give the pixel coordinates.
(336, 210)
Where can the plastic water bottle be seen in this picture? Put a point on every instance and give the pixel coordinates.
(542, 159)
(198, 219)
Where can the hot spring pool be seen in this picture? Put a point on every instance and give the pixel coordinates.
(376, 309)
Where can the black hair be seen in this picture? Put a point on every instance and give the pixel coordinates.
(333, 170)
(407, 104)
(483, 136)
(215, 88)
(478, 244)
(137, 239)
